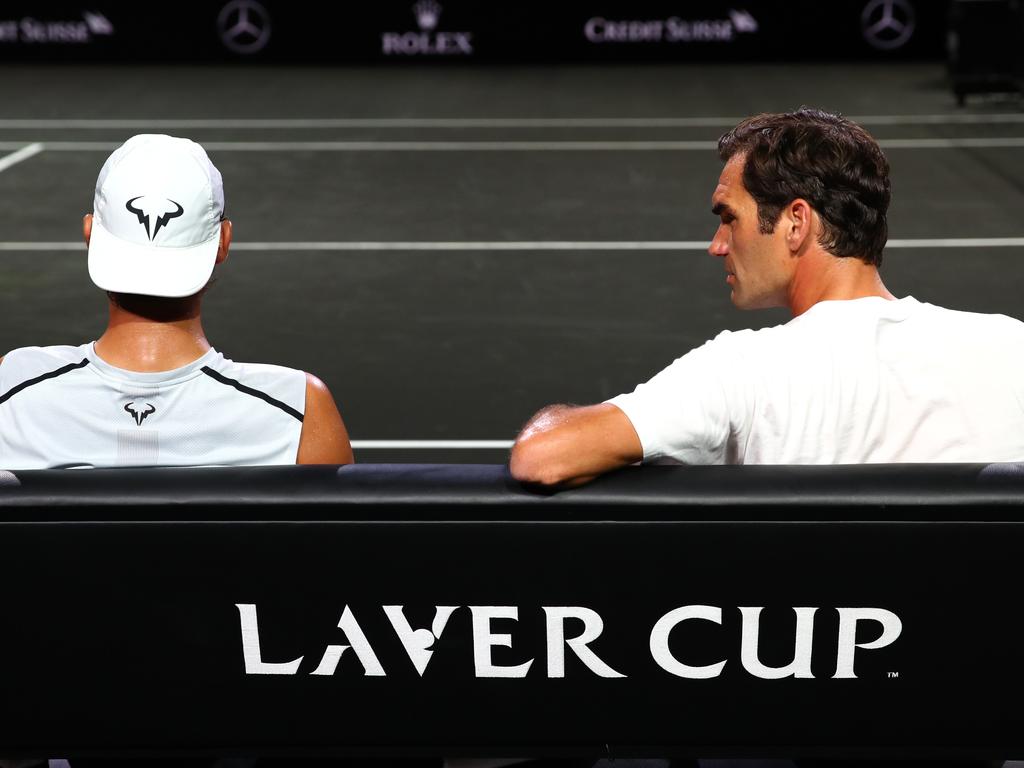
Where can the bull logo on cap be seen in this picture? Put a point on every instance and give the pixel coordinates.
(151, 205)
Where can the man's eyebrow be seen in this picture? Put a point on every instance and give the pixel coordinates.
(719, 208)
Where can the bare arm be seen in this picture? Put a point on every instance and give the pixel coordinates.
(324, 439)
(571, 445)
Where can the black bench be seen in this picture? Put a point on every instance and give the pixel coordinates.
(197, 611)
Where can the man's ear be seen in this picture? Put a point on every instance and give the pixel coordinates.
(225, 241)
(799, 220)
(87, 228)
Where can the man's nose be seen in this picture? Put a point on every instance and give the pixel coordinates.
(719, 243)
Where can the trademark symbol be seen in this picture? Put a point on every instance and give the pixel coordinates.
(893, 675)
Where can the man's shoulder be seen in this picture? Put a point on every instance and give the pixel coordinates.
(42, 358)
(23, 367)
(966, 314)
(979, 325)
(752, 338)
(263, 371)
(264, 380)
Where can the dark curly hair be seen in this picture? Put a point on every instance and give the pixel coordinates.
(829, 161)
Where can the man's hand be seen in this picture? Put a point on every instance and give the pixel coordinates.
(565, 445)
(324, 439)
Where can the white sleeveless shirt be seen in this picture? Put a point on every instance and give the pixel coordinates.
(63, 407)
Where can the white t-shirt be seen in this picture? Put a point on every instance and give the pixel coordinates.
(847, 382)
(65, 407)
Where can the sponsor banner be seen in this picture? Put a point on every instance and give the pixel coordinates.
(468, 31)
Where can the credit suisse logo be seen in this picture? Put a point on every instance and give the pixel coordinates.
(674, 30)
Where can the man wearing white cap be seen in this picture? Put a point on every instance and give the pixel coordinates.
(151, 390)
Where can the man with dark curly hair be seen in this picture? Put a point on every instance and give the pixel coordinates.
(857, 376)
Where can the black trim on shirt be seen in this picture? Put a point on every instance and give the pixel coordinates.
(250, 391)
(51, 375)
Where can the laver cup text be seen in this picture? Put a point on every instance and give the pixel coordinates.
(418, 643)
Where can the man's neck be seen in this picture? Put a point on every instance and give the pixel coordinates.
(823, 277)
(139, 343)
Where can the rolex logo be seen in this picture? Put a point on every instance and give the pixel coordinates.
(428, 13)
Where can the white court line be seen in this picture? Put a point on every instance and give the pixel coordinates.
(468, 245)
(980, 141)
(599, 245)
(432, 444)
(1011, 118)
(527, 245)
(22, 154)
(959, 242)
(507, 146)
(399, 146)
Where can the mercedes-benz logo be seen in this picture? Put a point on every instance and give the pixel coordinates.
(244, 26)
(887, 24)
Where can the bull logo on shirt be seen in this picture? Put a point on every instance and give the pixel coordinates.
(139, 416)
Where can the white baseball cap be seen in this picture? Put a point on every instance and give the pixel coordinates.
(156, 218)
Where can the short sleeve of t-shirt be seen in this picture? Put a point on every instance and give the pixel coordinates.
(685, 411)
